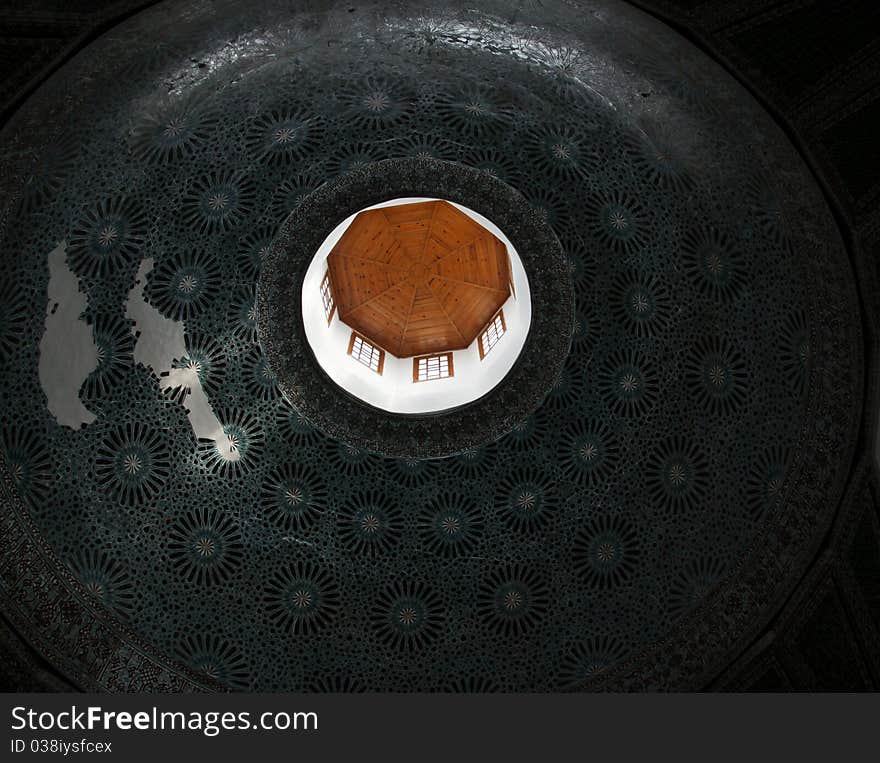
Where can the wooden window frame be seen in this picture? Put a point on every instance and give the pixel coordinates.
(447, 355)
(327, 297)
(510, 275)
(372, 346)
(485, 331)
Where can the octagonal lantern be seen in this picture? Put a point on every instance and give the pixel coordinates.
(418, 278)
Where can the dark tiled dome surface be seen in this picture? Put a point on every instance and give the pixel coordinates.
(633, 531)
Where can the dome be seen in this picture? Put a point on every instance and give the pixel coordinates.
(630, 501)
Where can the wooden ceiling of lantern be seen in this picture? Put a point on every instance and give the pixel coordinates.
(418, 278)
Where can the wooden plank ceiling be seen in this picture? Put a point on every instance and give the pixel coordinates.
(418, 278)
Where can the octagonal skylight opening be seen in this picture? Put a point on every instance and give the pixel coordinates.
(408, 377)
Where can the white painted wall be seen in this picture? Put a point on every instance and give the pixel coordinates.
(395, 391)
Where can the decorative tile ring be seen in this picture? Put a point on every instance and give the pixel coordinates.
(308, 387)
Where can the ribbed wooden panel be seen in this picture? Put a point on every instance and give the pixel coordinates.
(418, 278)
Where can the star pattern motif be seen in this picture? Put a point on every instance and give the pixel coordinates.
(285, 135)
(512, 600)
(205, 547)
(526, 501)
(370, 524)
(187, 284)
(108, 235)
(606, 552)
(293, 496)
(132, 463)
(717, 375)
(407, 616)
(804, 352)
(640, 302)
(95, 588)
(588, 451)
(174, 128)
(561, 152)
(450, 525)
(377, 102)
(618, 221)
(210, 669)
(629, 382)
(715, 263)
(677, 474)
(218, 201)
